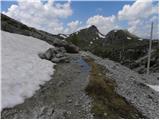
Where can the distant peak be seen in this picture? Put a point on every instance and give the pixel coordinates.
(94, 28)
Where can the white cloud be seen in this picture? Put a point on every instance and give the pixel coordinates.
(73, 26)
(139, 16)
(142, 28)
(104, 24)
(46, 16)
(138, 10)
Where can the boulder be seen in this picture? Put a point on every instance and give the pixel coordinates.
(70, 48)
(42, 56)
(62, 49)
(59, 55)
(56, 55)
(55, 60)
(60, 60)
(49, 54)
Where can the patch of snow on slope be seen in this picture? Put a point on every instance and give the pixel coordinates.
(22, 70)
(77, 32)
(62, 35)
(154, 87)
(128, 38)
(91, 42)
(101, 36)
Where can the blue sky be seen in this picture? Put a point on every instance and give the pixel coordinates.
(80, 14)
(85, 9)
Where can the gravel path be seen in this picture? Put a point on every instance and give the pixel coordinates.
(131, 86)
(62, 97)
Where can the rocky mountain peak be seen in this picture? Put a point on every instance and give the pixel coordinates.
(93, 28)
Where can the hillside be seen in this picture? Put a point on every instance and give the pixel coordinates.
(86, 38)
(118, 45)
(10, 25)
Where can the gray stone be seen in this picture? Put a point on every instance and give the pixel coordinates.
(58, 55)
(70, 100)
(48, 54)
(41, 55)
(60, 83)
(55, 60)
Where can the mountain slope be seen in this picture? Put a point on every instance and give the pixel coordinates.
(118, 45)
(10, 25)
(86, 38)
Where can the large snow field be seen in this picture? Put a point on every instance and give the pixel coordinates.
(22, 70)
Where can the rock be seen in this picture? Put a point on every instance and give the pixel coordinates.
(48, 53)
(41, 55)
(67, 114)
(64, 59)
(105, 114)
(59, 55)
(55, 60)
(70, 100)
(60, 60)
(62, 49)
(55, 55)
(60, 83)
(76, 103)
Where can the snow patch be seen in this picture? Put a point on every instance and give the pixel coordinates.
(129, 38)
(100, 35)
(64, 36)
(91, 42)
(22, 70)
(77, 33)
(154, 87)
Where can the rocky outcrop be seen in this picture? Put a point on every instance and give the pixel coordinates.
(56, 55)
